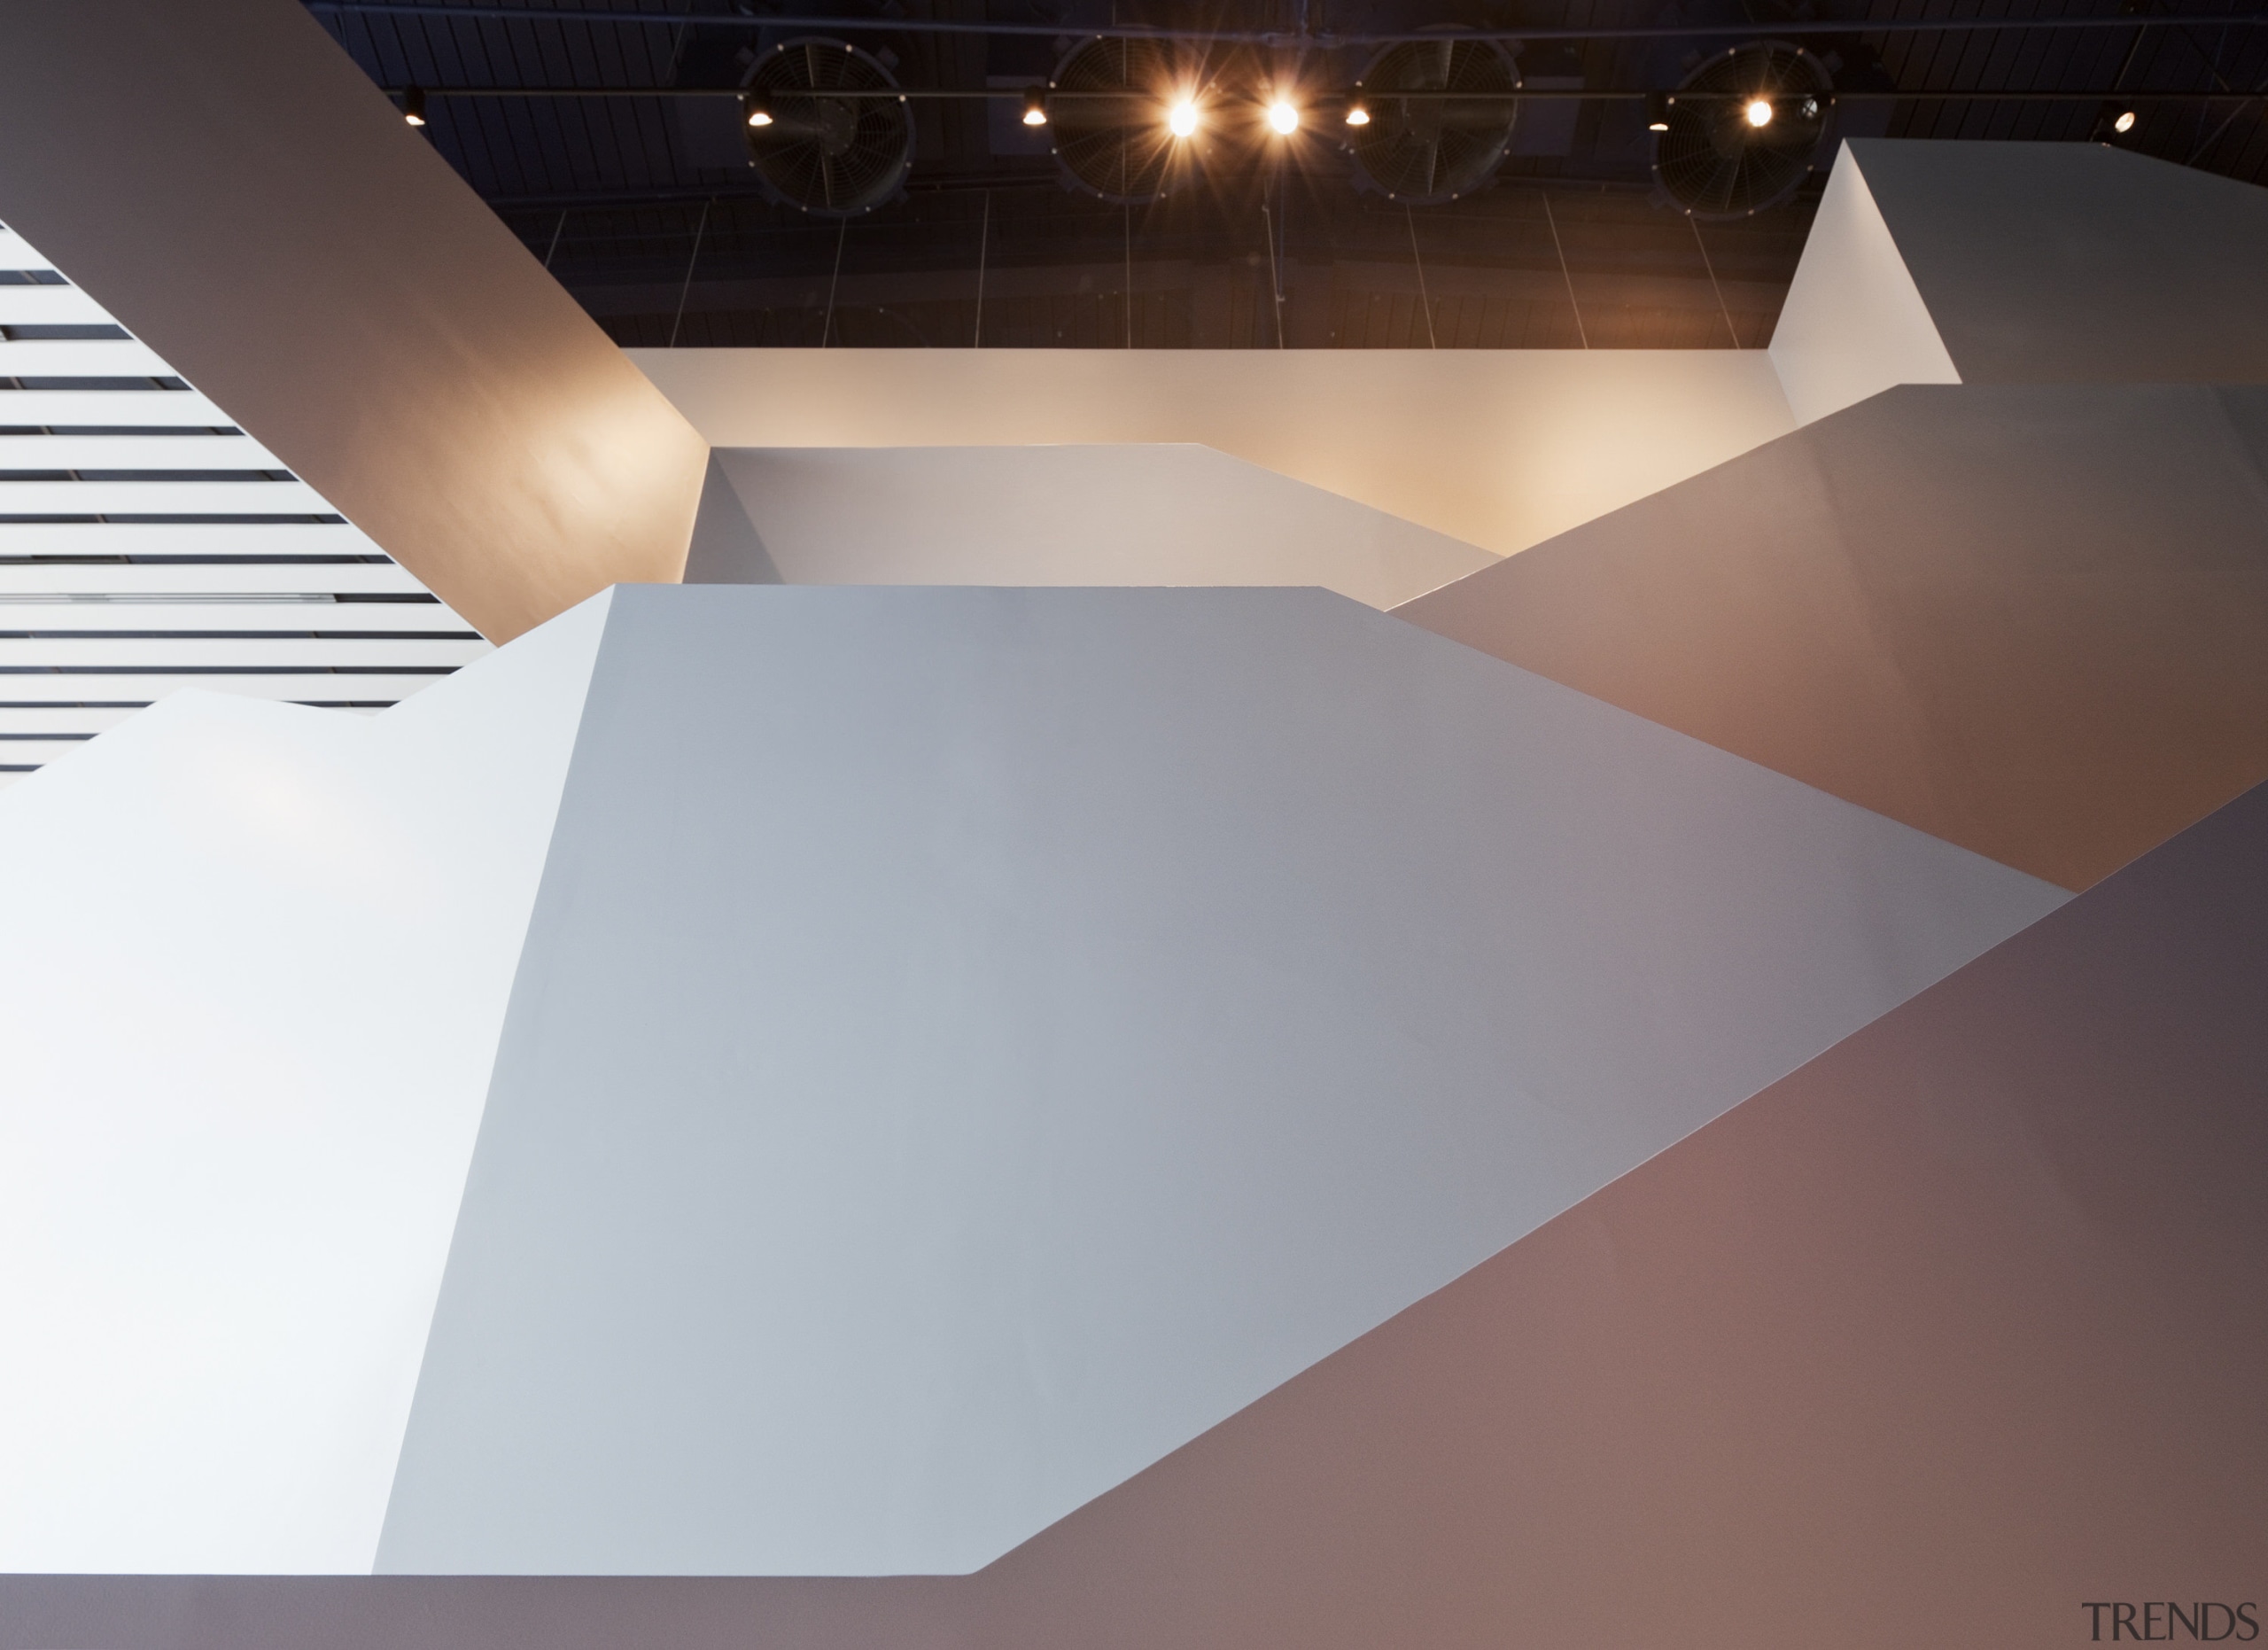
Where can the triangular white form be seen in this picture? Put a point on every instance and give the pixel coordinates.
(1854, 322)
(254, 964)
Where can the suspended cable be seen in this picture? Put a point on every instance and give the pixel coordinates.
(1419, 258)
(983, 234)
(1706, 263)
(1565, 274)
(685, 291)
(827, 326)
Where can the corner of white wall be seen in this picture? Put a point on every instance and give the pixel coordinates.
(1854, 322)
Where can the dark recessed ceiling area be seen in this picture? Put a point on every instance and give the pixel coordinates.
(613, 138)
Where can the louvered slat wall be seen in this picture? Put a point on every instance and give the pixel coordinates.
(146, 544)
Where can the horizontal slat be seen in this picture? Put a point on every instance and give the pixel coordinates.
(18, 538)
(112, 407)
(44, 306)
(306, 687)
(117, 498)
(16, 253)
(59, 730)
(135, 452)
(234, 652)
(67, 719)
(74, 358)
(234, 577)
(14, 752)
(331, 618)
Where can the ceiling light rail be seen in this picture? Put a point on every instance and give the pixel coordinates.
(1600, 94)
(1288, 39)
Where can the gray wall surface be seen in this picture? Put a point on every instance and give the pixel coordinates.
(2066, 262)
(1971, 1310)
(970, 1042)
(2032, 619)
(1131, 514)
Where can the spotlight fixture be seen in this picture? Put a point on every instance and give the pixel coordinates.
(1658, 104)
(1758, 111)
(1181, 119)
(1035, 106)
(1356, 113)
(1283, 117)
(756, 106)
(413, 105)
(2124, 123)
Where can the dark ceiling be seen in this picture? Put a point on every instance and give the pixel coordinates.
(645, 206)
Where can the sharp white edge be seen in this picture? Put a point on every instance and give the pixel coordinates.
(1854, 322)
(255, 966)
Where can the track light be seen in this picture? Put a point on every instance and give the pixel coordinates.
(1356, 113)
(2124, 123)
(1658, 104)
(1181, 119)
(1283, 117)
(1035, 106)
(756, 106)
(1758, 112)
(413, 105)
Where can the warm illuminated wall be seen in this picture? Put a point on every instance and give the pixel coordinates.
(1502, 448)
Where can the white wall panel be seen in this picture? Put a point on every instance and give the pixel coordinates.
(107, 407)
(134, 451)
(972, 1041)
(301, 540)
(161, 498)
(48, 305)
(149, 581)
(16, 253)
(101, 358)
(251, 976)
(235, 652)
(98, 687)
(292, 615)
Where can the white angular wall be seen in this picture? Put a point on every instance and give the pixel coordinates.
(967, 1044)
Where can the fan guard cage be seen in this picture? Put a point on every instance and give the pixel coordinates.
(831, 156)
(1424, 151)
(1712, 162)
(1107, 109)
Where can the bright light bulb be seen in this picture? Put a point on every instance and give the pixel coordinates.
(1358, 115)
(1034, 117)
(1181, 121)
(1284, 117)
(1758, 112)
(757, 117)
(2124, 123)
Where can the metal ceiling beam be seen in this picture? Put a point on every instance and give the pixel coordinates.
(1542, 94)
(1278, 38)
